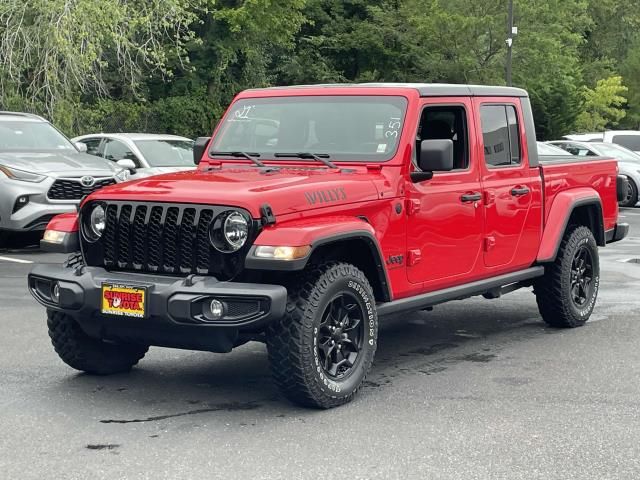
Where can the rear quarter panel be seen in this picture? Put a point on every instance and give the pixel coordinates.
(599, 175)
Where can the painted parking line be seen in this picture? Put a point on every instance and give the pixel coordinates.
(14, 260)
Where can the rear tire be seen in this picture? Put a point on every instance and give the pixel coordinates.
(323, 347)
(567, 293)
(87, 354)
(632, 194)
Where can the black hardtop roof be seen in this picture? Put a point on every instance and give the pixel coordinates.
(425, 89)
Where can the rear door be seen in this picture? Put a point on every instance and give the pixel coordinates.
(507, 183)
(445, 221)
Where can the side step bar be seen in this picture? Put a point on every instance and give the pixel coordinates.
(478, 287)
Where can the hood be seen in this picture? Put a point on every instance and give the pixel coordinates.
(59, 163)
(286, 190)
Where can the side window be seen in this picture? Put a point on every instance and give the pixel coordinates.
(446, 123)
(115, 150)
(93, 145)
(500, 134)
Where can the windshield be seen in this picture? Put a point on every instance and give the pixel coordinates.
(167, 153)
(620, 153)
(360, 128)
(545, 149)
(27, 136)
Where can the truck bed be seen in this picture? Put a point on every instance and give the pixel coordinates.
(563, 172)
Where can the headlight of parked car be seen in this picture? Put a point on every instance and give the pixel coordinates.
(123, 175)
(94, 223)
(21, 175)
(229, 231)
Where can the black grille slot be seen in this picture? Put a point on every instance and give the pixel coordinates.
(68, 189)
(163, 238)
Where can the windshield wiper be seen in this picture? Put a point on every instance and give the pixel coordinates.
(321, 157)
(246, 155)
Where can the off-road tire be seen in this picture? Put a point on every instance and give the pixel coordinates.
(292, 341)
(553, 290)
(632, 196)
(87, 354)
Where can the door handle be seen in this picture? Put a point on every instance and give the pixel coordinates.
(519, 191)
(471, 197)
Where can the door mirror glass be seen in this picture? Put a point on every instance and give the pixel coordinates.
(82, 147)
(198, 148)
(436, 156)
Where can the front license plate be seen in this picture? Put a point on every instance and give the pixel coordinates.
(124, 300)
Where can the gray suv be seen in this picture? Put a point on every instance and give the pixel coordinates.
(43, 174)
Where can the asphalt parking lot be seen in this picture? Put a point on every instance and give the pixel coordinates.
(476, 389)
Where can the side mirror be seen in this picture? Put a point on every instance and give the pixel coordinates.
(82, 147)
(199, 147)
(435, 156)
(128, 164)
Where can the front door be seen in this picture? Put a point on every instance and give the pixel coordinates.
(507, 184)
(445, 218)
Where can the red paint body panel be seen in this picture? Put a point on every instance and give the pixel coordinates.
(65, 222)
(443, 242)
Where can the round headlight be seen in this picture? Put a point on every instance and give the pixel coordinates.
(236, 230)
(229, 231)
(97, 223)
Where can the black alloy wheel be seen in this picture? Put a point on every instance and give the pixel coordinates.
(340, 335)
(582, 276)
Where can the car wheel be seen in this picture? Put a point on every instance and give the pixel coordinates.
(631, 197)
(567, 293)
(322, 349)
(87, 354)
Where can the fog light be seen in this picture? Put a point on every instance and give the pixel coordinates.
(21, 201)
(215, 310)
(55, 292)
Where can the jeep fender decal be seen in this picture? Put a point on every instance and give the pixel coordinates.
(325, 196)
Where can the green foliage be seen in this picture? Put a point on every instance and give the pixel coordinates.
(174, 65)
(603, 105)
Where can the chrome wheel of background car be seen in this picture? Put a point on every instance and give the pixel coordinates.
(340, 335)
(582, 276)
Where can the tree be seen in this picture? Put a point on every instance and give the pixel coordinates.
(52, 52)
(603, 105)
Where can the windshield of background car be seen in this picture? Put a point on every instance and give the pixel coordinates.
(26, 136)
(620, 153)
(350, 128)
(632, 142)
(167, 153)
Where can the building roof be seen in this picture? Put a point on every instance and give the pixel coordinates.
(425, 89)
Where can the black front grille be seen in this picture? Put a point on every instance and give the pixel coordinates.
(72, 189)
(163, 238)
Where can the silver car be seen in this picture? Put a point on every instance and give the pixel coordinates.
(43, 174)
(628, 163)
(144, 154)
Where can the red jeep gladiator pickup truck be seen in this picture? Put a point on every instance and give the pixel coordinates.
(315, 211)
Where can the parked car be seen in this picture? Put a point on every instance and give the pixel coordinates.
(302, 236)
(626, 138)
(546, 150)
(144, 154)
(628, 163)
(43, 174)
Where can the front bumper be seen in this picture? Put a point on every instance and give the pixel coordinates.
(174, 307)
(34, 215)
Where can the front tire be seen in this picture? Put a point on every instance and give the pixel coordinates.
(567, 293)
(87, 354)
(631, 198)
(322, 349)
